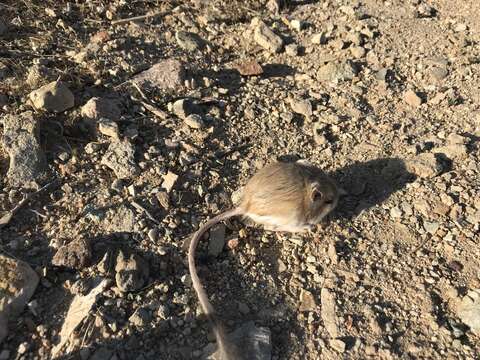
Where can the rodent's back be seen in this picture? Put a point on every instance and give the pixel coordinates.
(278, 186)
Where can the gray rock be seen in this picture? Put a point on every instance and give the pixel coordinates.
(166, 74)
(328, 313)
(266, 38)
(120, 219)
(468, 310)
(291, 49)
(425, 11)
(249, 68)
(319, 39)
(120, 158)
(297, 25)
(337, 345)
(75, 255)
(302, 107)
(431, 227)
(131, 273)
(412, 99)
(306, 301)
(108, 127)
(216, 241)
(425, 165)
(21, 141)
(97, 108)
(184, 107)
(189, 41)
(194, 121)
(396, 212)
(92, 148)
(453, 151)
(381, 75)
(153, 235)
(336, 71)
(140, 318)
(275, 6)
(438, 73)
(17, 284)
(53, 97)
(358, 52)
(169, 180)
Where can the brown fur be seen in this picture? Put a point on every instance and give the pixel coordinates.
(283, 196)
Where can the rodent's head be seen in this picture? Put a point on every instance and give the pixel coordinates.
(323, 198)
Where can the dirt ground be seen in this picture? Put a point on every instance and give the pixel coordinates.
(384, 95)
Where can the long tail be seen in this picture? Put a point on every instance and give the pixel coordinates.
(226, 350)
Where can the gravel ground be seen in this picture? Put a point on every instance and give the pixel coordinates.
(122, 137)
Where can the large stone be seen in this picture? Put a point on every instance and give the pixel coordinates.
(307, 301)
(216, 241)
(97, 108)
(131, 272)
(189, 41)
(166, 74)
(53, 97)
(468, 310)
(21, 141)
(302, 107)
(169, 180)
(425, 165)
(412, 99)
(329, 315)
(18, 282)
(80, 308)
(266, 38)
(119, 219)
(336, 72)
(74, 255)
(453, 151)
(249, 68)
(120, 157)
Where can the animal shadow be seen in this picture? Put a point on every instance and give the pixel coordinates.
(368, 184)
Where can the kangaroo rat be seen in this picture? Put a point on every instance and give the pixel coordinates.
(290, 197)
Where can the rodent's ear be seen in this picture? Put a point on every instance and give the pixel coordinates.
(315, 193)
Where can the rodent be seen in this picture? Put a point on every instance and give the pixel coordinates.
(291, 197)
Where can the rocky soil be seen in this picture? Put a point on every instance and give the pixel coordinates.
(120, 136)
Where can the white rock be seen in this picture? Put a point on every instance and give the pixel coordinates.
(194, 121)
(18, 282)
(108, 127)
(266, 38)
(169, 181)
(468, 310)
(297, 25)
(97, 108)
(53, 97)
(319, 39)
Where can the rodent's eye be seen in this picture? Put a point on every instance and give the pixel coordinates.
(329, 201)
(317, 195)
